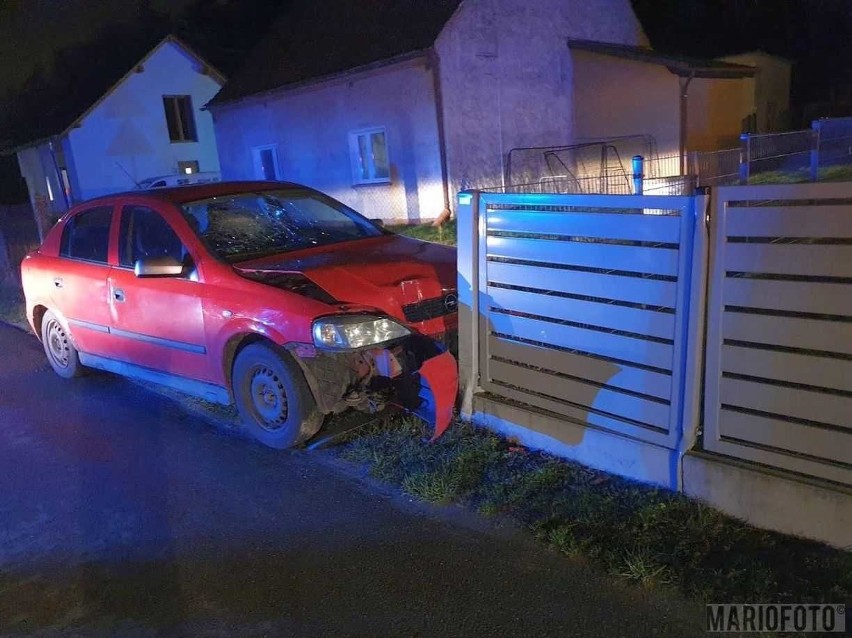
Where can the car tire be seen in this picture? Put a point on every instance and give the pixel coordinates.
(273, 398)
(60, 351)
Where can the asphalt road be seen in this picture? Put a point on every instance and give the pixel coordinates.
(121, 514)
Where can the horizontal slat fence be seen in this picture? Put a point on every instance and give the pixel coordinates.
(584, 307)
(779, 344)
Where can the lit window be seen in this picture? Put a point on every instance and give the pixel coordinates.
(188, 167)
(179, 118)
(369, 153)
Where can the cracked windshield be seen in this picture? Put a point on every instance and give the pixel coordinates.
(254, 225)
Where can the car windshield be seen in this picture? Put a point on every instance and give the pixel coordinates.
(247, 226)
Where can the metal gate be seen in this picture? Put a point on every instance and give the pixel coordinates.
(779, 343)
(584, 307)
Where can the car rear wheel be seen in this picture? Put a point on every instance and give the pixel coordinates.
(273, 398)
(61, 353)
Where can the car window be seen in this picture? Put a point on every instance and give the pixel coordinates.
(86, 235)
(143, 234)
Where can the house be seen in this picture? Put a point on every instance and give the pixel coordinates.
(121, 131)
(770, 98)
(381, 103)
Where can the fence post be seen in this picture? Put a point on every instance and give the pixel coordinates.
(745, 158)
(468, 263)
(816, 125)
(638, 174)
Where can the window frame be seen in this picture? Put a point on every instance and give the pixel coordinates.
(188, 131)
(355, 156)
(69, 227)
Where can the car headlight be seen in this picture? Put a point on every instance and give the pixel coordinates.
(356, 331)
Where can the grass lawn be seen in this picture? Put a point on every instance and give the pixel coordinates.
(443, 234)
(649, 536)
(826, 174)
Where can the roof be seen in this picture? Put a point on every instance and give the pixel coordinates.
(756, 53)
(679, 65)
(52, 111)
(313, 40)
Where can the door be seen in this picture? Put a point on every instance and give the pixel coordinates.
(79, 289)
(157, 322)
(266, 162)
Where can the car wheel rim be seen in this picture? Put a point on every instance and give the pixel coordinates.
(57, 344)
(268, 398)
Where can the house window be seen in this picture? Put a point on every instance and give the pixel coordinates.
(188, 168)
(368, 150)
(179, 118)
(266, 163)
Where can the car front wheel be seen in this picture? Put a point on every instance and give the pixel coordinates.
(61, 353)
(273, 398)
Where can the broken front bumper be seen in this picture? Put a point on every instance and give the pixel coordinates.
(417, 374)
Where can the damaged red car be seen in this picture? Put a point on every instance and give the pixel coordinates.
(271, 296)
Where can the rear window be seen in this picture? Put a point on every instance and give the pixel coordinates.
(86, 235)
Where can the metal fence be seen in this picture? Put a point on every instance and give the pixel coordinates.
(584, 304)
(777, 155)
(779, 342)
(834, 143)
(821, 153)
(578, 305)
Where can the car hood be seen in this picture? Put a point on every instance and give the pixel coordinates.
(387, 272)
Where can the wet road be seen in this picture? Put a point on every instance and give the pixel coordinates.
(121, 514)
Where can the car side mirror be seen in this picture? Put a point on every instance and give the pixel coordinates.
(163, 266)
(379, 222)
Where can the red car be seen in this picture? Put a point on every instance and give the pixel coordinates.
(269, 295)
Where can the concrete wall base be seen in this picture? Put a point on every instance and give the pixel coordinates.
(600, 449)
(770, 498)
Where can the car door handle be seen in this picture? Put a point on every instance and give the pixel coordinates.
(57, 282)
(118, 294)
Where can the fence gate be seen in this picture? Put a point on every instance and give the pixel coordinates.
(779, 345)
(583, 303)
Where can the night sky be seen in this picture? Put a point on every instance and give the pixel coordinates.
(32, 30)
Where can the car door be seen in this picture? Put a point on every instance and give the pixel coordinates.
(79, 288)
(157, 321)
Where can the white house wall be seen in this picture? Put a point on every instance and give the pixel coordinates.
(507, 76)
(125, 139)
(310, 129)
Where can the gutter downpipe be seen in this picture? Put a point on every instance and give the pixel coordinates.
(434, 63)
(684, 104)
(59, 180)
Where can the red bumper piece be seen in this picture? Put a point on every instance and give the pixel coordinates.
(440, 375)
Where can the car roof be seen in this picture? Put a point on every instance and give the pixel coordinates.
(192, 192)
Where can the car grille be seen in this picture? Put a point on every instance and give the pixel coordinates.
(431, 308)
